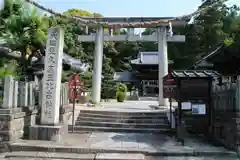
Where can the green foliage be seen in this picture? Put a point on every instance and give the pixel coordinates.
(23, 29)
(9, 69)
(228, 41)
(121, 93)
(1, 100)
(122, 87)
(121, 96)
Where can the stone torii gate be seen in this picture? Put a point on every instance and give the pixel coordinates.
(162, 36)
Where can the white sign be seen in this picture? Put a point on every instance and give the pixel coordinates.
(199, 109)
(186, 105)
(195, 109)
(52, 77)
(202, 109)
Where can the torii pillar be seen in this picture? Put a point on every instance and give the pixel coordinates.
(162, 37)
(162, 62)
(97, 65)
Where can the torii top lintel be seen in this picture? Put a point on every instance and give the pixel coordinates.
(139, 22)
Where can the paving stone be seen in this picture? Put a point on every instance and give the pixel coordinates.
(117, 156)
(49, 155)
(122, 143)
(190, 158)
(130, 145)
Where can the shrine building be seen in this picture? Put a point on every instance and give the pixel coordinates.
(144, 74)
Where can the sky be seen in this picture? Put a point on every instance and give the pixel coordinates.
(134, 8)
(128, 8)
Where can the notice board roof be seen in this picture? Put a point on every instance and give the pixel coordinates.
(194, 74)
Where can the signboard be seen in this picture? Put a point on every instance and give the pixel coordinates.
(193, 89)
(199, 109)
(169, 87)
(186, 105)
(75, 83)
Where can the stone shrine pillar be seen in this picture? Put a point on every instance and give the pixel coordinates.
(50, 128)
(8, 92)
(97, 66)
(11, 116)
(52, 77)
(162, 62)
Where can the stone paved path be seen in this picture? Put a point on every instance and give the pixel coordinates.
(191, 158)
(131, 142)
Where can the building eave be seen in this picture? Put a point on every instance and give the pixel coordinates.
(138, 62)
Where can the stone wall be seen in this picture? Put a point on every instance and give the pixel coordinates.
(225, 128)
(14, 124)
(65, 117)
(19, 112)
(51, 132)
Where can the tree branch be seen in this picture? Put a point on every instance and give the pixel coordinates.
(8, 53)
(71, 61)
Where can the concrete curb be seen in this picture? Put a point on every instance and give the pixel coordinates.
(71, 156)
(52, 155)
(62, 149)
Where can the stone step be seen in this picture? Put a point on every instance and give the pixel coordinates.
(121, 125)
(32, 155)
(72, 156)
(220, 157)
(122, 120)
(119, 130)
(126, 113)
(119, 116)
(160, 154)
(119, 156)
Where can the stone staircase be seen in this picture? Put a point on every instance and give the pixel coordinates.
(145, 98)
(122, 121)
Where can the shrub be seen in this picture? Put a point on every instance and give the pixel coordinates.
(121, 93)
(122, 87)
(121, 96)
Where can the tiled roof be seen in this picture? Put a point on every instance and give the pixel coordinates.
(147, 58)
(194, 73)
(123, 77)
(204, 60)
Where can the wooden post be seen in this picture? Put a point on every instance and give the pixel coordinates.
(170, 101)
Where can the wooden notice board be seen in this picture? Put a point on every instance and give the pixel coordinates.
(169, 87)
